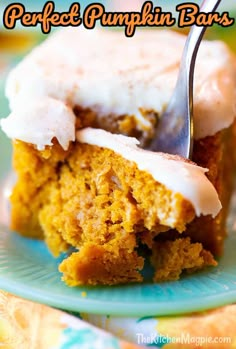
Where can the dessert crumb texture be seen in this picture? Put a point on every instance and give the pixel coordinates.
(101, 204)
(170, 258)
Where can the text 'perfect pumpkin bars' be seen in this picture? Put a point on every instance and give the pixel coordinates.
(83, 106)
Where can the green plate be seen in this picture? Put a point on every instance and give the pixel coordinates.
(28, 270)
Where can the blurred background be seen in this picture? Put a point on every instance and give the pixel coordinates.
(24, 38)
(21, 38)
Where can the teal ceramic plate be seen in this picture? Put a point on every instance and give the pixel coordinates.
(28, 270)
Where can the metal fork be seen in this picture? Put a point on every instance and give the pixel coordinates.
(174, 134)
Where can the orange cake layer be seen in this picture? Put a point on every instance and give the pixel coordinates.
(217, 154)
(104, 206)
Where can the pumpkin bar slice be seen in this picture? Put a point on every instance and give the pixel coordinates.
(84, 106)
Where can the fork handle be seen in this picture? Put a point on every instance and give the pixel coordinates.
(174, 133)
(195, 36)
(186, 71)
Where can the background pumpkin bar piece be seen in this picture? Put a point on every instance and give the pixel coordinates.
(79, 122)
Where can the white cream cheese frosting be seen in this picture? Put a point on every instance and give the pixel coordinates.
(111, 74)
(177, 175)
(54, 118)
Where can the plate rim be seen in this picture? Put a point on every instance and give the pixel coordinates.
(78, 303)
(151, 309)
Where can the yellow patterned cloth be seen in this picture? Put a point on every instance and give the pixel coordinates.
(28, 325)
